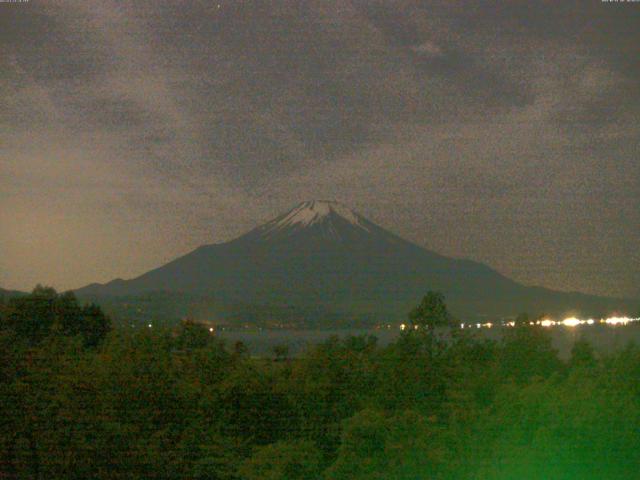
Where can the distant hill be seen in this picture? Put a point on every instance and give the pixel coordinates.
(322, 256)
(10, 293)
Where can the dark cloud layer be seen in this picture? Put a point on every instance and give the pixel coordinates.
(502, 131)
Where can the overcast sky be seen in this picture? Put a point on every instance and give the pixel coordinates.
(507, 131)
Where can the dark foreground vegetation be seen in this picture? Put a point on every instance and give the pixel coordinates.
(78, 401)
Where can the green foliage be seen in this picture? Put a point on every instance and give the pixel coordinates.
(430, 313)
(526, 352)
(577, 428)
(375, 446)
(161, 404)
(281, 352)
(582, 355)
(192, 335)
(45, 312)
(293, 460)
(215, 457)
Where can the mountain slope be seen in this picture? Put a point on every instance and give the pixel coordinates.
(323, 255)
(6, 294)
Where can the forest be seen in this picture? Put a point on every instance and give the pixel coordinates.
(81, 399)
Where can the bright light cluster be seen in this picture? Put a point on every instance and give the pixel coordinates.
(477, 325)
(620, 320)
(572, 322)
(567, 322)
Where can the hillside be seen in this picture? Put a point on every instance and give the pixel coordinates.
(323, 256)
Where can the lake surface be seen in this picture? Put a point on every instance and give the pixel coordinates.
(605, 339)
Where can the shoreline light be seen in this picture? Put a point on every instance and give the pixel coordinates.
(570, 322)
(620, 320)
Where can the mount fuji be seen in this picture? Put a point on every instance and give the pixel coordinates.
(323, 257)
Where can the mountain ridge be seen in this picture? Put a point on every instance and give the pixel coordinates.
(322, 254)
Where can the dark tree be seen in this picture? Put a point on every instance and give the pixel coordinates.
(193, 335)
(430, 313)
(44, 312)
(94, 325)
(33, 315)
(281, 352)
(240, 349)
(582, 355)
(299, 460)
(526, 352)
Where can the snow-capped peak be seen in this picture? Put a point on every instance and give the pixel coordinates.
(314, 211)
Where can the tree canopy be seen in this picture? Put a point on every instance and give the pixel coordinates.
(179, 403)
(430, 313)
(45, 312)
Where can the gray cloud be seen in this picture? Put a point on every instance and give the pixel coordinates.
(473, 128)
